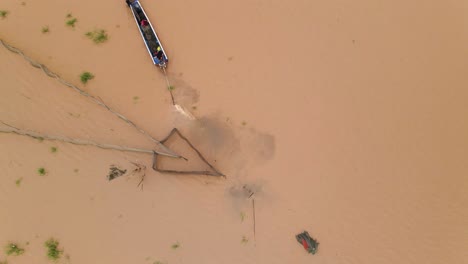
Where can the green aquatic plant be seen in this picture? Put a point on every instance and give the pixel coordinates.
(41, 171)
(175, 245)
(53, 252)
(71, 22)
(244, 240)
(86, 76)
(18, 182)
(98, 35)
(45, 29)
(3, 13)
(13, 249)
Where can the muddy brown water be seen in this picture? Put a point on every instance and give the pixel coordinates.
(347, 119)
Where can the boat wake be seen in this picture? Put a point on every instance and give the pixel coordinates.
(183, 111)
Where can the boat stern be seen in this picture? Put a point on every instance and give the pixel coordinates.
(161, 63)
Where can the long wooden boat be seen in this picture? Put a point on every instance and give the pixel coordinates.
(147, 32)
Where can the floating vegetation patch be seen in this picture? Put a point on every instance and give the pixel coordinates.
(45, 29)
(115, 172)
(97, 36)
(53, 251)
(18, 182)
(41, 171)
(4, 13)
(175, 245)
(86, 76)
(244, 240)
(12, 249)
(71, 22)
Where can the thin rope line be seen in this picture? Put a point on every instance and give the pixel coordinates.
(169, 87)
(75, 141)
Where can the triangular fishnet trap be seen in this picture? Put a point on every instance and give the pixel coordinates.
(156, 166)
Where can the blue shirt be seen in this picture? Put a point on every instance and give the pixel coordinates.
(156, 60)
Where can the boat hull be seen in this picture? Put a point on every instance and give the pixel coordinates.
(148, 34)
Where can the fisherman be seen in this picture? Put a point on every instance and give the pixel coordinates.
(159, 53)
(156, 60)
(146, 29)
(159, 57)
(145, 26)
(144, 23)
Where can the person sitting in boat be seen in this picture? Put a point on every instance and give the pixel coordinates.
(159, 56)
(146, 28)
(157, 60)
(144, 24)
(159, 53)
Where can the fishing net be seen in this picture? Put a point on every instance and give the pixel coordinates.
(161, 149)
(212, 171)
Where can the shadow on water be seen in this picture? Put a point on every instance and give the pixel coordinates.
(232, 149)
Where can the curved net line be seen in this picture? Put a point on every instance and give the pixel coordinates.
(165, 151)
(213, 172)
(82, 142)
(162, 150)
